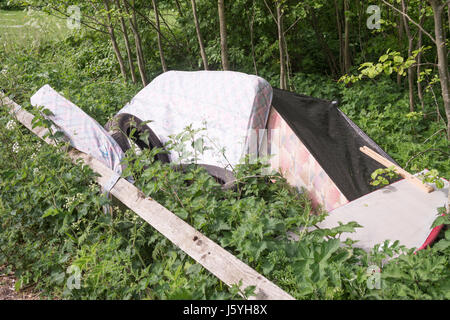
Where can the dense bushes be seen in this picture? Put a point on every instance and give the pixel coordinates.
(9, 5)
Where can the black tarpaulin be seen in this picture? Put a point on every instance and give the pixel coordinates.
(332, 138)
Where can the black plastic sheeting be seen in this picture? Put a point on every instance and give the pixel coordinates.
(332, 138)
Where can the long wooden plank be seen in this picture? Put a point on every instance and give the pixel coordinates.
(405, 174)
(210, 255)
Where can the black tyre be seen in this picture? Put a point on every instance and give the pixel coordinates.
(224, 177)
(120, 128)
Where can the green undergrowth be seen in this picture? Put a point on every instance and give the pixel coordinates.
(52, 214)
(52, 222)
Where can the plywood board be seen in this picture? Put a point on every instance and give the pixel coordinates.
(400, 211)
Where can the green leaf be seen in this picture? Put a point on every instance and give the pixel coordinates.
(52, 211)
(439, 184)
(366, 64)
(439, 221)
(18, 285)
(442, 245)
(383, 58)
(267, 267)
(47, 112)
(182, 213)
(329, 248)
(398, 59)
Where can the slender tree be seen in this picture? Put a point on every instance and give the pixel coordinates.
(161, 52)
(127, 42)
(177, 2)
(448, 14)
(401, 28)
(326, 49)
(438, 9)
(279, 21)
(223, 35)
(341, 41)
(419, 59)
(199, 36)
(252, 37)
(347, 58)
(281, 46)
(137, 40)
(112, 36)
(410, 49)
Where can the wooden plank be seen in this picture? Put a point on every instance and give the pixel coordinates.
(405, 174)
(210, 255)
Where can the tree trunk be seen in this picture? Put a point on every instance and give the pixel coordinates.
(179, 8)
(223, 35)
(448, 14)
(161, 52)
(288, 63)
(410, 49)
(252, 37)
(112, 36)
(419, 61)
(448, 116)
(361, 43)
(400, 38)
(442, 57)
(326, 49)
(199, 36)
(283, 79)
(127, 43)
(347, 59)
(341, 41)
(137, 42)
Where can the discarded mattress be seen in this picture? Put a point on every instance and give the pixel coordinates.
(227, 103)
(83, 132)
(318, 149)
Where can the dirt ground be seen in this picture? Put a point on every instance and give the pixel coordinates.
(7, 291)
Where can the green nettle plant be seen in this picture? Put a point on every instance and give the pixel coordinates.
(52, 222)
(383, 176)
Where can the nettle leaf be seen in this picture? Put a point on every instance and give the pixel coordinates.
(47, 112)
(52, 211)
(342, 256)
(439, 221)
(329, 248)
(182, 213)
(348, 227)
(267, 267)
(442, 244)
